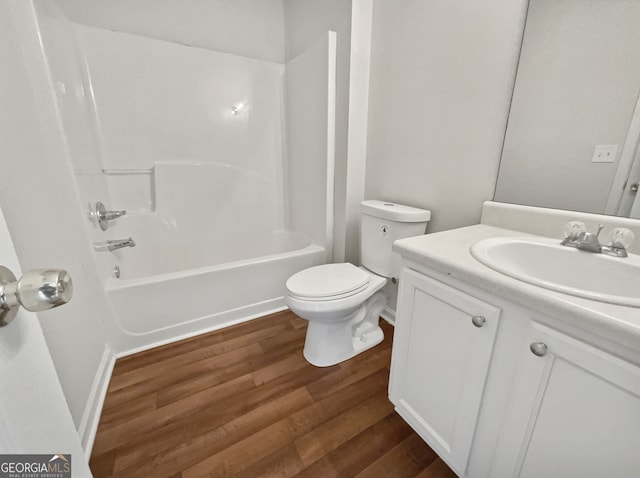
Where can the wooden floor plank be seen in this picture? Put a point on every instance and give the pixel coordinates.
(437, 469)
(212, 342)
(212, 361)
(103, 464)
(406, 459)
(242, 401)
(196, 429)
(139, 426)
(362, 450)
(251, 365)
(210, 415)
(135, 407)
(325, 438)
(186, 380)
(234, 458)
(282, 463)
(192, 447)
(343, 377)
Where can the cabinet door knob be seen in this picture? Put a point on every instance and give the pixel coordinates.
(478, 320)
(538, 348)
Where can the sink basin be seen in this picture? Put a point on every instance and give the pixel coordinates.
(545, 263)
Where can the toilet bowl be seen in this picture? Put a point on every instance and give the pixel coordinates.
(343, 302)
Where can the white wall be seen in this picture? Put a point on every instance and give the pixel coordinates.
(305, 22)
(252, 28)
(310, 117)
(359, 81)
(46, 219)
(577, 86)
(441, 79)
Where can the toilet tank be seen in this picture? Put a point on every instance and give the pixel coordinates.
(382, 223)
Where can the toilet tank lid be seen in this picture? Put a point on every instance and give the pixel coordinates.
(394, 212)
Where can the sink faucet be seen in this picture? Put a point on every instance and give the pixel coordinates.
(588, 241)
(112, 245)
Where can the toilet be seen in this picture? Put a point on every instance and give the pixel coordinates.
(343, 302)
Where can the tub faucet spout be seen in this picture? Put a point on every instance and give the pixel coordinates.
(112, 245)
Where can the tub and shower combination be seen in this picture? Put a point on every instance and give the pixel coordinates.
(171, 286)
(224, 165)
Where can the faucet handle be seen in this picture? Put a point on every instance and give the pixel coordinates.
(621, 237)
(573, 229)
(103, 216)
(600, 228)
(111, 215)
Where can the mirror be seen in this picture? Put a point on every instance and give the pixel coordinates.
(574, 124)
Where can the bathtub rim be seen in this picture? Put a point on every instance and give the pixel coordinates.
(113, 284)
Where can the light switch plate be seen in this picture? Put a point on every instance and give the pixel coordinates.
(604, 153)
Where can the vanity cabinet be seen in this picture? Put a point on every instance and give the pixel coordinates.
(441, 353)
(574, 411)
(499, 394)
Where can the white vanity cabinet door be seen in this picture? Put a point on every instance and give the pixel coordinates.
(440, 363)
(574, 412)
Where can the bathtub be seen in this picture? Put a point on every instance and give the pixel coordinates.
(170, 288)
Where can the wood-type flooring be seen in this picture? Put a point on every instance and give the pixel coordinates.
(243, 402)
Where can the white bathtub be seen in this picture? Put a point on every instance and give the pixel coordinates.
(171, 288)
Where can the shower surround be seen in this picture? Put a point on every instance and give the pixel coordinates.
(223, 163)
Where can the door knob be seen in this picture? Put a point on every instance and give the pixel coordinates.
(37, 290)
(538, 348)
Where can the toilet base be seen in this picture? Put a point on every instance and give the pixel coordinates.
(328, 344)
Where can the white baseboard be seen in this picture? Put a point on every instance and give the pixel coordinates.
(92, 411)
(389, 315)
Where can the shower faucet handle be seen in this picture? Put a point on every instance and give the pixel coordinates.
(110, 215)
(103, 216)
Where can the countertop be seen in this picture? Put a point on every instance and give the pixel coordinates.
(449, 252)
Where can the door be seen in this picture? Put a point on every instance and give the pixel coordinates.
(625, 186)
(34, 416)
(632, 192)
(574, 412)
(635, 208)
(441, 352)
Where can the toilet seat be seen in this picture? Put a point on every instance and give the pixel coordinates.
(327, 282)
